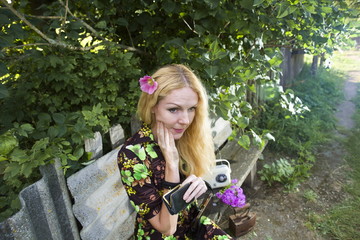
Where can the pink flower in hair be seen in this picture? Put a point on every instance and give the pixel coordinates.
(148, 84)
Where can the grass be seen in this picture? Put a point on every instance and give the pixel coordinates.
(310, 195)
(342, 62)
(343, 220)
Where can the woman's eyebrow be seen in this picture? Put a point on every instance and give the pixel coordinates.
(173, 104)
(180, 106)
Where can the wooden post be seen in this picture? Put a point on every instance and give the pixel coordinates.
(314, 65)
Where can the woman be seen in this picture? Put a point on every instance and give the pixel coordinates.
(173, 146)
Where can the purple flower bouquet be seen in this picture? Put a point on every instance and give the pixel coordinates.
(232, 195)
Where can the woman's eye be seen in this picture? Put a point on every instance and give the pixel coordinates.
(172, 110)
(192, 109)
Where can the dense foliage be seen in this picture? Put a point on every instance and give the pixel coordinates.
(69, 68)
(297, 136)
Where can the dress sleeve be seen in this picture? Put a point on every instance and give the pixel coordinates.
(134, 163)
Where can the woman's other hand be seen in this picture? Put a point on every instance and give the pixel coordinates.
(167, 145)
(196, 189)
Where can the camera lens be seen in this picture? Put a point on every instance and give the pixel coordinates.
(221, 178)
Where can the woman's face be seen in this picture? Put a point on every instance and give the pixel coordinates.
(177, 110)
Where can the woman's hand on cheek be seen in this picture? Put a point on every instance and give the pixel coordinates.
(167, 145)
(196, 189)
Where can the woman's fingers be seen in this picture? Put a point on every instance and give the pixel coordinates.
(165, 138)
(196, 189)
(161, 133)
(167, 144)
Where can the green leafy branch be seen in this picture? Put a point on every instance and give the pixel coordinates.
(53, 42)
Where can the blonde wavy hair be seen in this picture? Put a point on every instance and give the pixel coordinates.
(196, 148)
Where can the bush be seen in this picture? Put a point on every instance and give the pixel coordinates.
(298, 132)
(289, 173)
(316, 100)
(57, 111)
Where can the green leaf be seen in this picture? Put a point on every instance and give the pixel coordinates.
(310, 9)
(19, 155)
(59, 118)
(275, 61)
(71, 157)
(247, 4)
(245, 106)
(40, 145)
(65, 143)
(252, 88)
(101, 24)
(52, 132)
(88, 163)
(61, 130)
(12, 170)
(175, 42)
(27, 127)
(200, 14)
(44, 117)
(7, 144)
(286, 10)
(4, 20)
(26, 170)
(212, 71)
(326, 9)
(243, 122)
(55, 60)
(15, 203)
(102, 67)
(122, 22)
(244, 141)
(3, 91)
(258, 2)
(79, 151)
(213, 3)
(169, 6)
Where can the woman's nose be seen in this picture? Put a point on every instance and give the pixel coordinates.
(184, 118)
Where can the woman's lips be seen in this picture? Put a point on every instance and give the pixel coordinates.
(178, 130)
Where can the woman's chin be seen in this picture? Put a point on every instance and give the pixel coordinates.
(177, 136)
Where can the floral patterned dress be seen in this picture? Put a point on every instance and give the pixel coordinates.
(142, 169)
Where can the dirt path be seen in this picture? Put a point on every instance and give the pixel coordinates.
(283, 216)
(347, 108)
